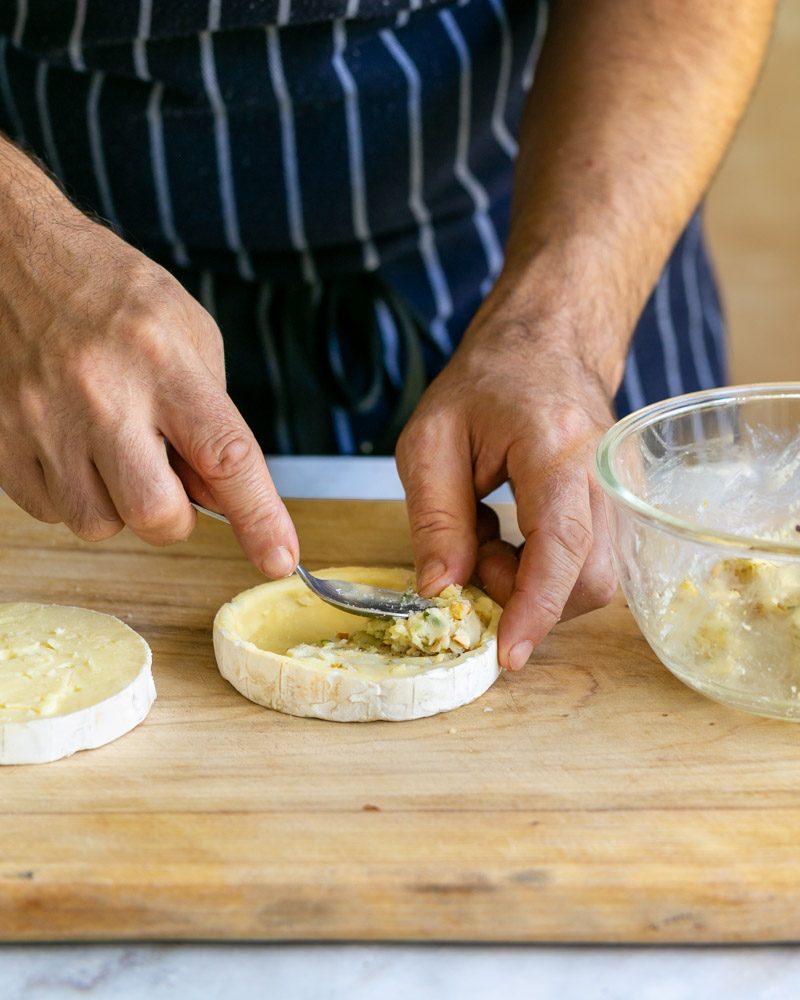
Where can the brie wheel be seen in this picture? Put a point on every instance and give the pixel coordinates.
(70, 679)
(253, 632)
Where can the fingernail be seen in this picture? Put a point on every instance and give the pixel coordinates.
(519, 655)
(430, 574)
(278, 563)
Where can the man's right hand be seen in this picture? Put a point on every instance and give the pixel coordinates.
(105, 358)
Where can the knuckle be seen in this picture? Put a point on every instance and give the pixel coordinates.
(549, 605)
(597, 591)
(415, 434)
(41, 510)
(144, 332)
(573, 536)
(146, 284)
(225, 456)
(571, 427)
(268, 521)
(427, 520)
(89, 519)
(89, 393)
(159, 523)
(33, 503)
(421, 440)
(94, 527)
(404, 448)
(605, 589)
(152, 345)
(165, 534)
(146, 319)
(31, 405)
(81, 372)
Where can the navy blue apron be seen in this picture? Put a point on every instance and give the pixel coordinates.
(331, 178)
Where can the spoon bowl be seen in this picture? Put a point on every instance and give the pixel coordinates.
(357, 598)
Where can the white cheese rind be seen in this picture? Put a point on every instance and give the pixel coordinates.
(41, 741)
(51, 737)
(294, 687)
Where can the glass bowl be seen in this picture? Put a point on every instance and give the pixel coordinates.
(702, 494)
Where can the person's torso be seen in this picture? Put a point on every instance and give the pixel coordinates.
(271, 130)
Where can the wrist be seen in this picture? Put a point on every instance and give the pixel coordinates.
(33, 208)
(560, 301)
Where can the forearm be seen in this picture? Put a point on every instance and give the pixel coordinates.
(25, 188)
(634, 104)
(40, 229)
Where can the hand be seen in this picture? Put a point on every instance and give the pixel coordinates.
(105, 356)
(515, 403)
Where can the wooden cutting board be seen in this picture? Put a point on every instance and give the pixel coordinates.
(590, 798)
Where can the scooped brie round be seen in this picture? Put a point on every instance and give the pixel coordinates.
(70, 679)
(282, 647)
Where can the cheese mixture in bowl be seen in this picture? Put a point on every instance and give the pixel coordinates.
(282, 647)
(703, 503)
(740, 624)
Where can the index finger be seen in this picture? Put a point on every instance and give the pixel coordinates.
(555, 517)
(436, 471)
(208, 432)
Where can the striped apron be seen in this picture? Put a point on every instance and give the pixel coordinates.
(331, 178)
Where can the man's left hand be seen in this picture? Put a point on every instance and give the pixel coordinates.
(515, 403)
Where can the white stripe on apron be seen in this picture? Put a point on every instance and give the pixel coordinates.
(7, 95)
(355, 147)
(702, 365)
(76, 36)
(499, 127)
(427, 239)
(142, 37)
(284, 12)
(45, 123)
(19, 24)
(222, 141)
(280, 424)
(291, 173)
(666, 332)
(632, 382)
(476, 191)
(532, 61)
(158, 166)
(97, 152)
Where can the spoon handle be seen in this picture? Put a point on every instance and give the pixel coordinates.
(210, 513)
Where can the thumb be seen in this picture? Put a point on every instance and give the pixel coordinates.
(435, 466)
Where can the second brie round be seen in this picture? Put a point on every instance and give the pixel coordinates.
(70, 679)
(254, 631)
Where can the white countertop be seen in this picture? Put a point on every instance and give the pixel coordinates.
(386, 971)
(395, 972)
(345, 478)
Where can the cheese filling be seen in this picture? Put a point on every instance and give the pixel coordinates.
(740, 624)
(55, 660)
(404, 645)
(284, 648)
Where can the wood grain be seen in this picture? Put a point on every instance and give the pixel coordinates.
(598, 800)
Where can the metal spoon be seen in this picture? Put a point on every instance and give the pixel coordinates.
(357, 598)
